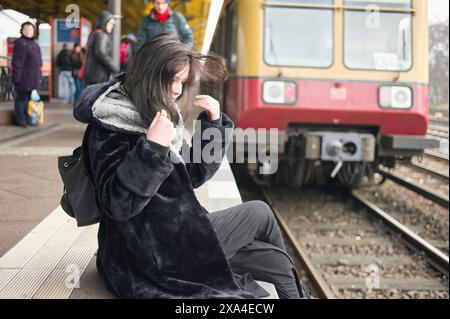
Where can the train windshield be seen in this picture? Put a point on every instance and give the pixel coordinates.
(301, 37)
(378, 40)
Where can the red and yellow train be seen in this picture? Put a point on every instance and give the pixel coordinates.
(345, 82)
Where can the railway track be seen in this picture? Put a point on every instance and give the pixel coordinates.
(429, 170)
(432, 163)
(436, 156)
(438, 134)
(443, 121)
(439, 129)
(352, 248)
(426, 191)
(357, 250)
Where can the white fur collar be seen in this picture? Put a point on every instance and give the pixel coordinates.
(116, 110)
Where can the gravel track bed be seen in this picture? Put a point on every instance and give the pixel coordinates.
(428, 219)
(370, 250)
(387, 271)
(423, 178)
(393, 294)
(314, 206)
(438, 164)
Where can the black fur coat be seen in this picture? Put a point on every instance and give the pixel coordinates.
(155, 240)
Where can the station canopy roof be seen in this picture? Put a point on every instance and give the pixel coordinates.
(195, 11)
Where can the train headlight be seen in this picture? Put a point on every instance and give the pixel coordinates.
(279, 92)
(395, 97)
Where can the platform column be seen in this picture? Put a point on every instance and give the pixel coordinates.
(115, 8)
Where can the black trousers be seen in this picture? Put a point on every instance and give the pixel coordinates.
(21, 116)
(251, 239)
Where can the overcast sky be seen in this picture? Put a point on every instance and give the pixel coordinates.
(438, 11)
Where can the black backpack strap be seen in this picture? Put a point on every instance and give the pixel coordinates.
(85, 152)
(85, 158)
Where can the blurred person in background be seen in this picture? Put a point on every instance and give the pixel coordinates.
(162, 20)
(76, 59)
(26, 65)
(127, 49)
(99, 64)
(66, 85)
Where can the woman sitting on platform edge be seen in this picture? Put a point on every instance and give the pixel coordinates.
(155, 240)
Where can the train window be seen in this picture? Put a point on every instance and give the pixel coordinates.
(299, 37)
(384, 43)
(380, 3)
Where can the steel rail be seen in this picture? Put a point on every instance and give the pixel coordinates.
(436, 155)
(428, 170)
(425, 191)
(319, 283)
(435, 257)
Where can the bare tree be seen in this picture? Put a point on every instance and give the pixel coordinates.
(439, 60)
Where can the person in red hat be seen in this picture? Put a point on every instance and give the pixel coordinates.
(163, 20)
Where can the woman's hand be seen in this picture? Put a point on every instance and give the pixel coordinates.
(210, 105)
(161, 130)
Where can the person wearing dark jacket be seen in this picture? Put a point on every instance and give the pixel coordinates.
(99, 64)
(162, 20)
(155, 240)
(26, 66)
(76, 59)
(63, 59)
(127, 50)
(66, 85)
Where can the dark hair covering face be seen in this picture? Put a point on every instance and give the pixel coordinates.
(152, 69)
